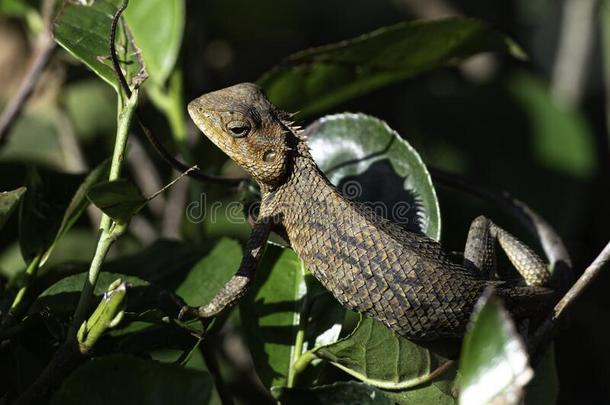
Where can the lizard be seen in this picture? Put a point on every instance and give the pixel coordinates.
(401, 278)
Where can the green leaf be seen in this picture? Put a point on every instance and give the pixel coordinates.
(318, 79)
(8, 202)
(62, 296)
(563, 140)
(77, 205)
(210, 273)
(371, 163)
(377, 356)
(121, 379)
(440, 391)
(157, 26)
(494, 364)
(84, 30)
(544, 387)
(342, 392)
(119, 199)
(42, 211)
(34, 140)
(281, 318)
(91, 106)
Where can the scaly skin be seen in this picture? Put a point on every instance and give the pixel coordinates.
(370, 265)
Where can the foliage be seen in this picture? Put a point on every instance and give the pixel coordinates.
(306, 348)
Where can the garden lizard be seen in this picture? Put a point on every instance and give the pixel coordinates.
(371, 265)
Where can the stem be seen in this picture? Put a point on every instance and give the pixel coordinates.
(544, 333)
(17, 305)
(299, 340)
(109, 230)
(302, 362)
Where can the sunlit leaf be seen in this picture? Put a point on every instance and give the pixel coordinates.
(157, 26)
(371, 163)
(273, 314)
(84, 30)
(339, 393)
(210, 273)
(376, 355)
(494, 363)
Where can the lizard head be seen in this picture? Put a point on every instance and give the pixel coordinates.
(248, 128)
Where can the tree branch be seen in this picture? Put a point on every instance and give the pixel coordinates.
(40, 59)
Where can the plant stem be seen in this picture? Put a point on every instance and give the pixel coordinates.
(17, 304)
(299, 340)
(109, 230)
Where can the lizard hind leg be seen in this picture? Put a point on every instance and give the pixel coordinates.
(480, 252)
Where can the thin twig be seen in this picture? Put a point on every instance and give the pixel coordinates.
(42, 54)
(583, 281)
(545, 332)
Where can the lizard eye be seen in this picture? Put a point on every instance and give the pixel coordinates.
(238, 129)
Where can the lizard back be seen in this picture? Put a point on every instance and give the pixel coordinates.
(401, 278)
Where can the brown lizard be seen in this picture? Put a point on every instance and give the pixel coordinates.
(373, 266)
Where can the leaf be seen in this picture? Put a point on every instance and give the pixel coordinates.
(544, 387)
(84, 30)
(91, 107)
(161, 262)
(34, 140)
(44, 204)
(77, 205)
(342, 392)
(74, 284)
(281, 306)
(8, 202)
(494, 364)
(121, 379)
(563, 140)
(61, 298)
(369, 162)
(119, 199)
(156, 22)
(210, 273)
(437, 392)
(320, 78)
(377, 356)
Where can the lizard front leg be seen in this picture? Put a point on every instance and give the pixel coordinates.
(480, 252)
(237, 286)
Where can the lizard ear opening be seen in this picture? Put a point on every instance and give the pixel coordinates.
(269, 156)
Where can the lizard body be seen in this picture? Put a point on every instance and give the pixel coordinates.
(371, 265)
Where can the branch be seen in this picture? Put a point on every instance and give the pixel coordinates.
(545, 332)
(42, 54)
